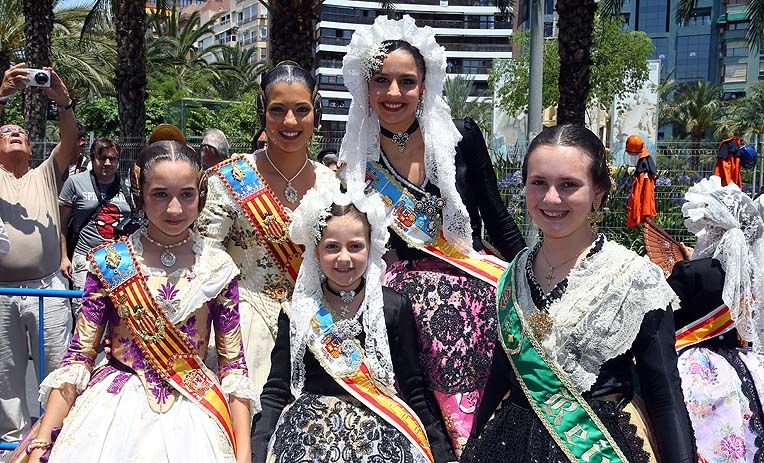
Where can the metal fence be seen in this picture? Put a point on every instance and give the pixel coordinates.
(40, 294)
(679, 167)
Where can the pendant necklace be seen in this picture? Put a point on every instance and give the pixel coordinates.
(400, 138)
(167, 258)
(346, 297)
(550, 274)
(290, 193)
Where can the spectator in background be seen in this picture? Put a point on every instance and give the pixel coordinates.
(29, 208)
(82, 161)
(214, 148)
(93, 206)
(328, 157)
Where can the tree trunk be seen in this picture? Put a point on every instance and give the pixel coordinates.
(38, 25)
(292, 32)
(130, 82)
(5, 64)
(576, 27)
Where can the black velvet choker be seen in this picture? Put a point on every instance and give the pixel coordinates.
(400, 138)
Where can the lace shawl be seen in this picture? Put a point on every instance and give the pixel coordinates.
(599, 316)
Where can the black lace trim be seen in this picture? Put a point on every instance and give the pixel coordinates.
(543, 301)
(515, 435)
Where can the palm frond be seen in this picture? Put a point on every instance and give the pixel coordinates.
(755, 34)
(685, 10)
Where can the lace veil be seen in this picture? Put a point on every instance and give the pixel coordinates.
(361, 141)
(308, 221)
(729, 229)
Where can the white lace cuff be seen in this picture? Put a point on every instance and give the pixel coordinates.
(76, 374)
(239, 385)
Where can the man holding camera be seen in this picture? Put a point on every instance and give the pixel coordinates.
(94, 206)
(29, 209)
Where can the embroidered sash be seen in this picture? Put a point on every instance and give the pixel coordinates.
(417, 222)
(717, 322)
(344, 361)
(263, 211)
(165, 347)
(567, 417)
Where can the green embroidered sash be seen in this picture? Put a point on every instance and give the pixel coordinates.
(564, 413)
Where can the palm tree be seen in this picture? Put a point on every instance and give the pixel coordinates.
(235, 71)
(87, 67)
(129, 17)
(38, 26)
(745, 117)
(292, 30)
(456, 91)
(694, 110)
(11, 35)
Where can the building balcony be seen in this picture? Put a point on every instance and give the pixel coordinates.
(469, 70)
(330, 63)
(342, 41)
(334, 110)
(342, 18)
(479, 47)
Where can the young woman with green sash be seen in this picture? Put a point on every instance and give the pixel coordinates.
(584, 324)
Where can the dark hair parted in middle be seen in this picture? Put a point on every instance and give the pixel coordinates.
(349, 211)
(101, 144)
(165, 150)
(577, 137)
(393, 45)
(287, 72)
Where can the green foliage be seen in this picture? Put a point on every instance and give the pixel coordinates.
(619, 67)
(457, 91)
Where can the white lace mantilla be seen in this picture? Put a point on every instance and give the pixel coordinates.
(600, 314)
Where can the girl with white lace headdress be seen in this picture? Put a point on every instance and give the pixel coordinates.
(437, 177)
(721, 290)
(343, 347)
(155, 295)
(579, 318)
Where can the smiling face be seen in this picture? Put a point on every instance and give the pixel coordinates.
(343, 252)
(395, 89)
(289, 117)
(171, 198)
(14, 142)
(560, 190)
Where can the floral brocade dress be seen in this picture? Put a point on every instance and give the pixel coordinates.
(124, 410)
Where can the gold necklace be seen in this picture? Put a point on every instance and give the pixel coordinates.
(550, 274)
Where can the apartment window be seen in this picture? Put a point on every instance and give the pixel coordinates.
(735, 72)
(692, 57)
(652, 16)
(736, 48)
(700, 17)
(263, 33)
(761, 68)
(332, 80)
(263, 54)
(248, 14)
(736, 2)
(737, 26)
(225, 19)
(661, 53)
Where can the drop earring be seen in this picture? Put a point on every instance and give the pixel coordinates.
(419, 108)
(595, 217)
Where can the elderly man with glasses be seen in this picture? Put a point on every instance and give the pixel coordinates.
(29, 209)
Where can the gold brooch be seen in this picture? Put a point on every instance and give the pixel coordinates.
(541, 323)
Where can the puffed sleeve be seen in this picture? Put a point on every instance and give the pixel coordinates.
(80, 356)
(234, 378)
(276, 392)
(219, 213)
(404, 351)
(501, 228)
(656, 364)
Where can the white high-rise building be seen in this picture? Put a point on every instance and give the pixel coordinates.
(470, 30)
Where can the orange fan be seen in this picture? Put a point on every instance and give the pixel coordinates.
(661, 247)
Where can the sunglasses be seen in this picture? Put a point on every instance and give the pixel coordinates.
(8, 131)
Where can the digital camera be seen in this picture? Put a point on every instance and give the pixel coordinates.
(38, 77)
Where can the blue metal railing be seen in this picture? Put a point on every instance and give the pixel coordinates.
(41, 294)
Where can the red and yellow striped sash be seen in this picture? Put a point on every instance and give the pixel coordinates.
(165, 347)
(263, 210)
(717, 322)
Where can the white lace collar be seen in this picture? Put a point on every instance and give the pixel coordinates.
(212, 271)
(600, 314)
